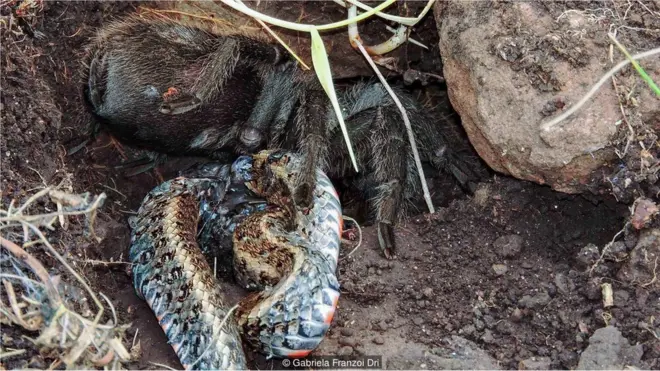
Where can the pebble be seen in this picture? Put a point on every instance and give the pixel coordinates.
(564, 284)
(479, 324)
(418, 321)
(421, 303)
(382, 325)
(345, 351)
(372, 270)
(517, 315)
(488, 337)
(499, 269)
(347, 342)
(468, 330)
(621, 297)
(535, 302)
(535, 363)
(588, 255)
(378, 340)
(428, 292)
(347, 331)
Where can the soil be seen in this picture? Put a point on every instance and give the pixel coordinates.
(500, 268)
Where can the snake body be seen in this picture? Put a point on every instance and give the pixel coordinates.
(288, 253)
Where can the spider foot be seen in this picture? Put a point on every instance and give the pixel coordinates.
(386, 240)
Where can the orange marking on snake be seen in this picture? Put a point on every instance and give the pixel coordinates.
(299, 354)
(328, 319)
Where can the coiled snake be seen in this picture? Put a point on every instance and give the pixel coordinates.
(287, 252)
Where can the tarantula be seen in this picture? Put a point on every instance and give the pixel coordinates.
(181, 90)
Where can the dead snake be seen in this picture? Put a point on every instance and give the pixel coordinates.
(287, 252)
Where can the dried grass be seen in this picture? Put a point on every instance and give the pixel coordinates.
(37, 297)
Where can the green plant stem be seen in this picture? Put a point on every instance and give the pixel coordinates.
(636, 65)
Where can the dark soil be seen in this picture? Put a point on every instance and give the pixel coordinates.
(499, 268)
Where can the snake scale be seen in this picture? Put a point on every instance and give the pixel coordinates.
(286, 253)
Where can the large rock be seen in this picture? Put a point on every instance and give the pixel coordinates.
(609, 350)
(512, 66)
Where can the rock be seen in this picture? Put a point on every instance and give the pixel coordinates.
(609, 350)
(521, 56)
(499, 269)
(564, 284)
(517, 315)
(382, 326)
(535, 363)
(479, 324)
(645, 255)
(468, 330)
(508, 246)
(347, 341)
(617, 251)
(347, 331)
(621, 298)
(537, 301)
(378, 340)
(418, 321)
(428, 292)
(461, 354)
(588, 255)
(505, 327)
(345, 351)
(488, 337)
(645, 210)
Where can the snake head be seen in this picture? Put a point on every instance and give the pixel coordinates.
(272, 172)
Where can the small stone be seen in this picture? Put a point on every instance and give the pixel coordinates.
(488, 337)
(347, 341)
(527, 265)
(499, 269)
(347, 331)
(418, 321)
(421, 303)
(564, 284)
(372, 270)
(505, 327)
(379, 272)
(621, 298)
(428, 292)
(479, 324)
(489, 320)
(536, 302)
(382, 326)
(468, 330)
(508, 246)
(345, 351)
(517, 315)
(535, 363)
(348, 286)
(378, 340)
(588, 255)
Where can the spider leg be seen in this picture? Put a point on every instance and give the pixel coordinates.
(143, 164)
(388, 171)
(313, 142)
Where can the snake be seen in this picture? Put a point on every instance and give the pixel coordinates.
(286, 254)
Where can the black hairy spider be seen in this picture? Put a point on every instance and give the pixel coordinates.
(180, 90)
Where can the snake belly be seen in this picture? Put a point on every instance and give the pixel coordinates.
(287, 318)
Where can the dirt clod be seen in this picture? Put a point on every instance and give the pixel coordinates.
(508, 246)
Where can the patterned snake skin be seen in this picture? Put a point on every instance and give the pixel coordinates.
(288, 253)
